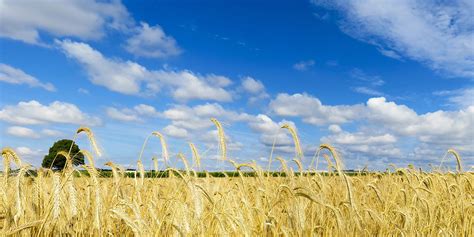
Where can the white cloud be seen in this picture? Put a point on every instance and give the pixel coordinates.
(461, 98)
(126, 115)
(13, 75)
(152, 42)
(176, 132)
(255, 88)
(312, 111)
(146, 110)
(197, 117)
(448, 127)
(30, 154)
(303, 65)
(346, 138)
(334, 128)
(381, 124)
(18, 131)
(25, 132)
(187, 86)
(131, 78)
(33, 112)
(438, 34)
(252, 86)
(373, 145)
(211, 139)
(123, 77)
(26, 20)
(51, 133)
(136, 114)
(271, 133)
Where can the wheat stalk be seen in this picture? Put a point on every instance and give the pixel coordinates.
(196, 157)
(164, 147)
(69, 181)
(8, 152)
(91, 137)
(221, 136)
(458, 159)
(56, 195)
(185, 161)
(89, 157)
(296, 140)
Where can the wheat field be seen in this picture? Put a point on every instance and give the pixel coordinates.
(399, 202)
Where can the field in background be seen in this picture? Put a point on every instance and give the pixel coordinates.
(247, 202)
(373, 204)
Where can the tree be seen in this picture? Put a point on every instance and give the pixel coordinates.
(60, 161)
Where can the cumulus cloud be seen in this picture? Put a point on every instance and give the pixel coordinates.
(32, 155)
(131, 78)
(443, 127)
(152, 42)
(271, 133)
(211, 139)
(13, 75)
(381, 125)
(193, 123)
(26, 20)
(334, 128)
(51, 133)
(401, 29)
(33, 112)
(124, 77)
(303, 65)
(135, 114)
(24, 132)
(312, 111)
(187, 85)
(372, 145)
(197, 117)
(252, 86)
(125, 115)
(174, 131)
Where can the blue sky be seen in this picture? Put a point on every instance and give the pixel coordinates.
(383, 81)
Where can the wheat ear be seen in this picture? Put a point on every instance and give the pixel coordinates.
(296, 140)
(91, 137)
(221, 135)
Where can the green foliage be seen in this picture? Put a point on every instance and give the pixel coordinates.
(58, 162)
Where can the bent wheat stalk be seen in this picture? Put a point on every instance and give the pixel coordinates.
(91, 137)
(164, 147)
(8, 152)
(196, 157)
(458, 159)
(296, 140)
(220, 132)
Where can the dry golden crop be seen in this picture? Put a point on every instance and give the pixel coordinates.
(401, 202)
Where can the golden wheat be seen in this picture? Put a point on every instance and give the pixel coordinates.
(405, 202)
(296, 140)
(164, 147)
(91, 137)
(221, 136)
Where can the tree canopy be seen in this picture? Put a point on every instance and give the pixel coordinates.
(58, 161)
